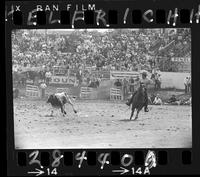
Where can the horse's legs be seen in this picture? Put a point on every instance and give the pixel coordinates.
(63, 110)
(132, 113)
(70, 102)
(136, 117)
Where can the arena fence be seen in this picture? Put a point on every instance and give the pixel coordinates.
(123, 74)
(115, 94)
(85, 92)
(32, 91)
(59, 90)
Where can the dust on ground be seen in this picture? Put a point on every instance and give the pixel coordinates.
(100, 124)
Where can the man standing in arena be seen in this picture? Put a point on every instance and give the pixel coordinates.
(189, 84)
(125, 87)
(132, 83)
(157, 81)
(146, 82)
(48, 76)
(43, 87)
(186, 84)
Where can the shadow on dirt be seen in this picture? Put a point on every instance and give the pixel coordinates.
(126, 120)
(133, 120)
(48, 115)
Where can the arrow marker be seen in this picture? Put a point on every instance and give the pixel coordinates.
(122, 171)
(37, 172)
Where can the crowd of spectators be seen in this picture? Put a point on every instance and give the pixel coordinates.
(119, 49)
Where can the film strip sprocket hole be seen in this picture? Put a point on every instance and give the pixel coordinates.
(91, 158)
(116, 158)
(162, 158)
(106, 87)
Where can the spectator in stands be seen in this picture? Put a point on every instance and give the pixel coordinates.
(157, 100)
(48, 77)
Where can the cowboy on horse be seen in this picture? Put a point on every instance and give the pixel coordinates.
(144, 81)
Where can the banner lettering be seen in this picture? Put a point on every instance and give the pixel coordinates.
(63, 80)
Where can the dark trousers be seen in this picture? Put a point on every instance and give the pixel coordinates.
(47, 80)
(189, 87)
(157, 84)
(43, 93)
(125, 91)
(146, 99)
(131, 88)
(186, 88)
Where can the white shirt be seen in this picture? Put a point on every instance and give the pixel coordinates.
(186, 81)
(157, 100)
(43, 85)
(63, 94)
(48, 74)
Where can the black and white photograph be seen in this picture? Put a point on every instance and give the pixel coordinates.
(102, 88)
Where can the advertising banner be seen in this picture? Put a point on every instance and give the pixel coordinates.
(63, 80)
(104, 74)
(181, 59)
(123, 74)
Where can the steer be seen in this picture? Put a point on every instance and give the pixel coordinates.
(58, 100)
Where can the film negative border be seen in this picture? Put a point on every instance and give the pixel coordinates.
(186, 16)
(90, 15)
(76, 162)
(118, 14)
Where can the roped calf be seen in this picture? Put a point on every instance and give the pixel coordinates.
(58, 100)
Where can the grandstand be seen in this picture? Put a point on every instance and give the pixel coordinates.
(85, 56)
(116, 49)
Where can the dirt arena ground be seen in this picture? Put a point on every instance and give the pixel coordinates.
(100, 124)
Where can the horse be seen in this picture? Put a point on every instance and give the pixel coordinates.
(138, 100)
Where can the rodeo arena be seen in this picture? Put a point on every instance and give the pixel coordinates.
(102, 88)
